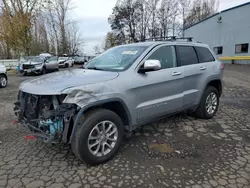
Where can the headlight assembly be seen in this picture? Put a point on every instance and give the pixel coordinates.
(39, 65)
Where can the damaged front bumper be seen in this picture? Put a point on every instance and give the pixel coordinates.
(46, 117)
(29, 69)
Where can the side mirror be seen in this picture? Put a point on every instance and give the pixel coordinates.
(150, 65)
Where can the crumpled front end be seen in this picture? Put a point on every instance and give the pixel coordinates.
(46, 116)
(32, 68)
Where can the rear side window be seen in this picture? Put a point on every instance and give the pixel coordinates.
(204, 55)
(186, 55)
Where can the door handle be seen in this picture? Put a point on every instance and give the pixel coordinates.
(203, 68)
(176, 73)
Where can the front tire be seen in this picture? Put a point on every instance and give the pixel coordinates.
(43, 71)
(209, 103)
(99, 137)
(3, 81)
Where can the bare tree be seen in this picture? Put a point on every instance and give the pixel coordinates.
(153, 10)
(200, 10)
(17, 19)
(40, 40)
(75, 38)
(125, 18)
(110, 41)
(185, 7)
(139, 19)
(144, 18)
(167, 14)
(57, 18)
(97, 49)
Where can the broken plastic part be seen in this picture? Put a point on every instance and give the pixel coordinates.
(177, 151)
(14, 122)
(52, 126)
(82, 96)
(30, 137)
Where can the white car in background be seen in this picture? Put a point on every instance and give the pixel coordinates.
(3, 76)
(66, 62)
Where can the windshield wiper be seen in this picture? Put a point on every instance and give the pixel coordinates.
(94, 68)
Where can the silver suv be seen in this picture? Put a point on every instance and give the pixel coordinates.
(40, 65)
(123, 88)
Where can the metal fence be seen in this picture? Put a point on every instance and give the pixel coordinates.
(10, 63)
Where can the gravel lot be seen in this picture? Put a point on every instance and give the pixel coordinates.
(194, 153)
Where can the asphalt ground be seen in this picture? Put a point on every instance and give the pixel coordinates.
(178, 151)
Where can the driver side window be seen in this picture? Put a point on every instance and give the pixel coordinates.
(166, 55)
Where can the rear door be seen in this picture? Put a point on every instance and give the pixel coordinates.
(159, 92)
(206, 67)
(188, 60)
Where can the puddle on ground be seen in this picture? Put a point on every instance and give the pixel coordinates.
(246, 137)
(216, 128)
(163, 148)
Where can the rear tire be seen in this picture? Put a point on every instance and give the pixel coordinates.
(209, 103)
(105, 141)
(3, 81)
(66, 65)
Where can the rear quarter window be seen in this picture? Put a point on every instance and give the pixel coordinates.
(204, 55)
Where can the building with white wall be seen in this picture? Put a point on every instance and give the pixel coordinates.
(227, 32)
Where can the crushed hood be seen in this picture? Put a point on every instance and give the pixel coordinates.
(31, 62)
(56, 83)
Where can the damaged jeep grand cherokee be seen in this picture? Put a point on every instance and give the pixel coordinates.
(119, 90)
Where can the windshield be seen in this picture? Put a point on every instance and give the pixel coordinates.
(118, 58)
(62, 58)
(26, 58)
(37, 59)
(52, 59)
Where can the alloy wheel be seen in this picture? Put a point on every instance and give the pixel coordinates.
(211, 103)
(102, 138)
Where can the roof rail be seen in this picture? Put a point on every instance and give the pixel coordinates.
(172, 38)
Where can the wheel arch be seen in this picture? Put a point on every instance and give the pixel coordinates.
(3, 74)
(116, 105)
(217, 84)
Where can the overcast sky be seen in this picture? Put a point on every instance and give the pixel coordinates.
(93, 15)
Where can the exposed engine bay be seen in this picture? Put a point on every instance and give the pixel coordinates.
(46, 116)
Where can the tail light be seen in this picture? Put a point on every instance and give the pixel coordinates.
(222, 66)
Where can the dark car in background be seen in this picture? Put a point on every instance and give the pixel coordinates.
(80, 60)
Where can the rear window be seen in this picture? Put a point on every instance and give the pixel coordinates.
(186, 55)
(204, 55)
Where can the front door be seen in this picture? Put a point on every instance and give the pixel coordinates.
(159, 92)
